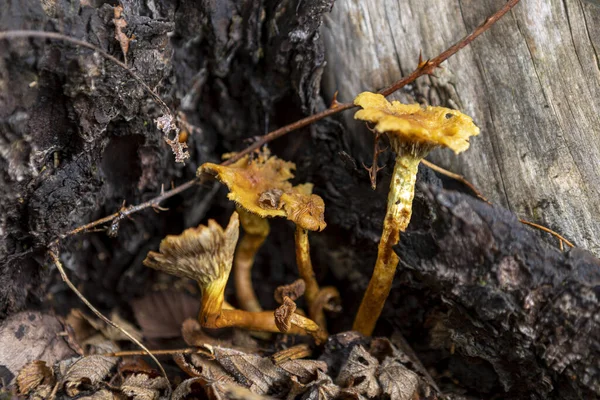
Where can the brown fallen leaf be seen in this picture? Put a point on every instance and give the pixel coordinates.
(30, 336)
(259, 374)
(322, 388)
(397, 381)
(33, 375)
(88, 371)
(187, 387)
(304, 370)
(120, 35)
(143, 387)
(100, 395)
(359, 373)
(160, 314)
(95, 333)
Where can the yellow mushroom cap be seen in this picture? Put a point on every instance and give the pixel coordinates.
(409, 125)
(204, 254)
(261, 186)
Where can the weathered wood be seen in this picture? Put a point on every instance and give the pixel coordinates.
(532, 84)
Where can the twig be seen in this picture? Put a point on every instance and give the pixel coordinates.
(427, 67)
(129, 353)
(117, 217)
(375, 168)
(78, 42)
(465, 182)
(292, 353)
(548, 230)
(424, 68)
(65, 278)
(457, 177)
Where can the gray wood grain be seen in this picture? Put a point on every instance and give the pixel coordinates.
(532, 84)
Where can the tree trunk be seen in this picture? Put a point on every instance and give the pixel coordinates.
(531, 83)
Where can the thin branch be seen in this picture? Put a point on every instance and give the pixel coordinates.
(375, 168)
(548, 230)
(66, 279)
(424, 68)
(129, 353)
(427, 67)
(78, 42)
(465, 182)
(457, 177)
(125, 212)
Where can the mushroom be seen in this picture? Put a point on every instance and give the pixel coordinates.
(205, 254)
(413, 131)
(261, 186)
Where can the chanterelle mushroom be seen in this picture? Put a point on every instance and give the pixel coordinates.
(413, 131)
(261, 186)
(205, 254)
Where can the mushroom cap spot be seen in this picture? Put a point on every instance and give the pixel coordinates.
(413, 124)
(204, 254)
(261, 186)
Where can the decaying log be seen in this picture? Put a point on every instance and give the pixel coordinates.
(531, 84)
(511, 300)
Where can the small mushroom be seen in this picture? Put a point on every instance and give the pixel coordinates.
(413, 131)
(261, 186)
(205, 254)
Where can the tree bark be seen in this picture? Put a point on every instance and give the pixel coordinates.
(531, 83)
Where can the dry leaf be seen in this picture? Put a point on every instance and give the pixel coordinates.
(304, 370)
(160, 314)
(193, 335)
(257, 373)
(30, 336)
(359, 373)
(87, 371)
(397, 381)
(86, 328)
(142, 387)
(210, 369)
(120, 25)
(321, 388)
(33, 375)
(42, 392)
(99, 395)
(231, 391)
(187, 387)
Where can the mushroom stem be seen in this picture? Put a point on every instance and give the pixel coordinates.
(214, 315)
(307, 273)
(399, 210)
(256, 230)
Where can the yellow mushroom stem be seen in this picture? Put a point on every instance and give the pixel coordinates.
(399, 210)
(256, 230)
(306, 272)
(214, 315)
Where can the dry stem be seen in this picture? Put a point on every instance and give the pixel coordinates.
(66, 279)
(468, 184)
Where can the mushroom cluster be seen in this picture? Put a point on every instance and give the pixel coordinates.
(205, 254)
(260, 186)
